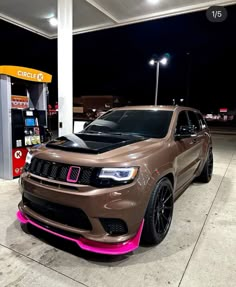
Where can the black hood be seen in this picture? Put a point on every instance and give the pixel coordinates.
(93, 143)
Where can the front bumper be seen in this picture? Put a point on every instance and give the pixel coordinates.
(89, 245)
(127, 203)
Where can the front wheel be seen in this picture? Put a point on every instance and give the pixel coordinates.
(159, 213)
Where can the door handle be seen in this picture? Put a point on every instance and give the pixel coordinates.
(194, 141)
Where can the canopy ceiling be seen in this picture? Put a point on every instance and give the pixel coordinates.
(91, 15)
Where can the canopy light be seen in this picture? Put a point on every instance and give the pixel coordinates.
(53, 21)
(153, 1)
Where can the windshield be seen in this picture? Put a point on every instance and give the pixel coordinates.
(147, 123)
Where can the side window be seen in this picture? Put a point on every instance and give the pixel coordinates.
(182, 121)
(194, 121)
(202, 121)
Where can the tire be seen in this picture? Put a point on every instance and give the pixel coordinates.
(207, 171)
(159, 213)
(25, 228)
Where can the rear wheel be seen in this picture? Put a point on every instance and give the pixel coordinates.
(207, 171)
(159, 213)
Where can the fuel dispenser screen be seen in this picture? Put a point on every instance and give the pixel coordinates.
(29, 122)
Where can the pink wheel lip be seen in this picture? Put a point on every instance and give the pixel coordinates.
(93, 246)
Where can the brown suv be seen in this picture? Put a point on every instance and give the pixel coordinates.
(116, 181)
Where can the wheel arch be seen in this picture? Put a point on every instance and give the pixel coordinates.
(171, 178)
(169, 174)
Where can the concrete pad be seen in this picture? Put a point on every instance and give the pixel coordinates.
(17, 270)
(230, 175)
(214, 260)
(11, 234)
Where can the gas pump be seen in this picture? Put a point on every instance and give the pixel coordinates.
(23, 115)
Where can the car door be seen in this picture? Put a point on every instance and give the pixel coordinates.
(197, 150)
(185, 153)
(204, 136)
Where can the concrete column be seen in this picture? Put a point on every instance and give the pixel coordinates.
(5, 128)
(65, 64)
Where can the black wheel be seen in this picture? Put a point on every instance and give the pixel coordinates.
(207, 171)
(25, 228)
(159, 213)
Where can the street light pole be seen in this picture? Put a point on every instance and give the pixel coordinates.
(157, 80)
(157, 62)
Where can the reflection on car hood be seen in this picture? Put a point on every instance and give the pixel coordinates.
(93, 143)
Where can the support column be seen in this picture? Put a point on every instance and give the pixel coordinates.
(65, 66)
(5, 128)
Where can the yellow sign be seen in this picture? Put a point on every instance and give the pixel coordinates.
(26, 74)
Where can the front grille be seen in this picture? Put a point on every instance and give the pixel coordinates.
(54, 171)
(45, 170)
(63, 173)
(60, 171)
(70, 216)
(114, 226)
(86, 176)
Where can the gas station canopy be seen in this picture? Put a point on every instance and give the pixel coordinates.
(91, 15)
(63, 18)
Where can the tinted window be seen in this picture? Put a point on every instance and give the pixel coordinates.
(182, 121)
(141, 122)
(202, 121)
(194, 121)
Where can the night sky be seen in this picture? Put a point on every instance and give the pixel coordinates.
(115, 61)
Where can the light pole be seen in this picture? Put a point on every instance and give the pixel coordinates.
(157, 81)
(153, 62)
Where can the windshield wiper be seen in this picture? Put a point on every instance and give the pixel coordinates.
(93, 132)
(115, 133)
(127, 134)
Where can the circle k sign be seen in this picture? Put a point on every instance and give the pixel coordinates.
(18, 154)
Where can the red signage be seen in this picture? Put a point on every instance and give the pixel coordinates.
(223, 110)
(19, 102)
(18, 160)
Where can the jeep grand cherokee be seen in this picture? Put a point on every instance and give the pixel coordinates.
(116, 181)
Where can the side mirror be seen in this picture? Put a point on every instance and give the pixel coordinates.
(185, 132)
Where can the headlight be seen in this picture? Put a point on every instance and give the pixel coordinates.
(28, 158)
(119, 174)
